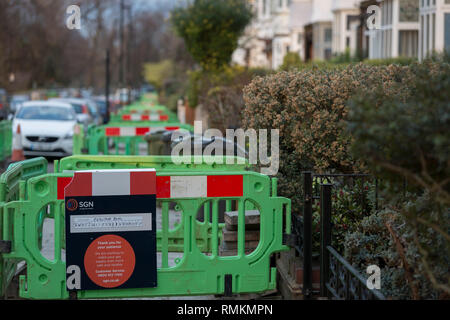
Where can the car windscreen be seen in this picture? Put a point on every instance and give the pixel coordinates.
(46, 113)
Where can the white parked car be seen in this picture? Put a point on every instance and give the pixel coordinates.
(46, 128)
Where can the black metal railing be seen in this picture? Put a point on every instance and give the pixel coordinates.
(338, 278)
(330, 259)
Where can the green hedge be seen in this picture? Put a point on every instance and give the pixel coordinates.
(309, 107)
(403, 135)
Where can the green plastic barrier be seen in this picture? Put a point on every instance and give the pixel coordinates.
(5, 140)
(20, 171)
(146, 109)
(143, 116)
(79, 141)
(100, 140)
(197, 164)
(196, 273)
(13, 188)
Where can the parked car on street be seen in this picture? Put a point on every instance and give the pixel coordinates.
(81, 108)
(95, 111)
(46, 127)
(101, 103)
(123, 96)
(17, 101)
(4, 108)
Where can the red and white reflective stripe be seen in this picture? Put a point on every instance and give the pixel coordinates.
(144, 117)
(199, 186)
(134, 131)
(111, 183)
(124, 182)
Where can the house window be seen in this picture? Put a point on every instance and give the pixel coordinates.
(427, 38)
(407, 46)
(409, 11)
(328, 35)
(351, 19)
(447, 32)
(433, 30)
(422, 37)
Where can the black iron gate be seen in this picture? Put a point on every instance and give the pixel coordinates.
(338, 279)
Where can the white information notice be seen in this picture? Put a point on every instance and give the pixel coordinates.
(111, 222)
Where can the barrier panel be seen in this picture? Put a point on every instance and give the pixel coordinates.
(124, 138)
(141, 113)
(199, 271)
(140, 117)
(5, 140)
(197, 164)
(146, 109)
(13, 188)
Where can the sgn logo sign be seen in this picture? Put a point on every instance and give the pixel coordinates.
(86, 204)
(73, 205)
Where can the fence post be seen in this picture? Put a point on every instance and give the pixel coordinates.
(307, 236)
(325, 236)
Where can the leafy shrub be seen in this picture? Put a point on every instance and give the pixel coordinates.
(345, 57)
(351, 203)
(404, 132)
(342, 61)
(402, 61)
(309, 108)
(396, 250)
(221, 94)
(211, 29)
(291, 61)
(403, 136)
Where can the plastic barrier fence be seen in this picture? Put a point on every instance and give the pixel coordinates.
(146, 109)
(135, 117)
(121, 139)
(13, 188)
(5, 140)
(128, 115)
(161, 162)
(197, 272)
